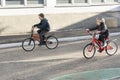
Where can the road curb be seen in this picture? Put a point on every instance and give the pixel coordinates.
(67, 39)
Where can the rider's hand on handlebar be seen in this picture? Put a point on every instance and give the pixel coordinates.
(35, 25)
(88, 30)
(98, 32)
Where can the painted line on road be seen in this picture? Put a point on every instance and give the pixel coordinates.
(67, 39)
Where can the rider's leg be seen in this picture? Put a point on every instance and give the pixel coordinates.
(102, 38)
(40, 36)
(43, 36)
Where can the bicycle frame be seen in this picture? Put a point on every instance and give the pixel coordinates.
(98, 42)
(95, 41)
(34, 36)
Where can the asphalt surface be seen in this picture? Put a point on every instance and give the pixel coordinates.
(44, 64)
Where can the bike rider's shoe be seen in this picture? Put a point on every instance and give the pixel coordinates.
(39, 44)
(105, 44)
(42, 43)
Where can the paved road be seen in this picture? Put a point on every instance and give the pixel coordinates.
(44, 64)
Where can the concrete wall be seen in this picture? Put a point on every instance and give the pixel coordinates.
(21, 24)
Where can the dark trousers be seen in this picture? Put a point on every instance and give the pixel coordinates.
(103, 36)
(41, 35)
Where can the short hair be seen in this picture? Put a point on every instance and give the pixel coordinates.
(41, 15)
(99, 18)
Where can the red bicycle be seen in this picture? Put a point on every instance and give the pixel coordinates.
(90, 49)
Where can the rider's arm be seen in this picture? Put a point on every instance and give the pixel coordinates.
(42, 24)
(36, 25)
(93, 28)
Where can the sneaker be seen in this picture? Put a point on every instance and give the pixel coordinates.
(105, 44)
(39, 44)
(42, 43)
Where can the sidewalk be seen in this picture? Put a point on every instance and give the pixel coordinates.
(58, 34)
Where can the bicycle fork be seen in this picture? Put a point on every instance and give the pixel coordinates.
(91, 47)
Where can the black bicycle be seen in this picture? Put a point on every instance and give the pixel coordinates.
(50, 41)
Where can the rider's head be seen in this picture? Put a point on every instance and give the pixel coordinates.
(41, 16)
(98, 20)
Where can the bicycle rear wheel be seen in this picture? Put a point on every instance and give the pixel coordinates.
(89, 51)
(28, 44)
(111, 48)
(51, 42)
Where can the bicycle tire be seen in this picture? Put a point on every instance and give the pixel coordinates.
(51, 42)
(91, 54)
(28, 44)
(113, 45)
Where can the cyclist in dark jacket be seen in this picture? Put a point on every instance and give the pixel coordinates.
(101, 29)
(43, 27)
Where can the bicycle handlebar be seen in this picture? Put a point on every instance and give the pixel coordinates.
(90, 33)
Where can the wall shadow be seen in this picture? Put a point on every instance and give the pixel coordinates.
(2, 29)
(91, 21)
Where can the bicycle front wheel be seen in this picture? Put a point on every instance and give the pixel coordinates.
(111, 48)
(28, 44)
(89, 51)
(51, 42)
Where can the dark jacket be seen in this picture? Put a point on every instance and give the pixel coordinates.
(102, 27)
(43, 25)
